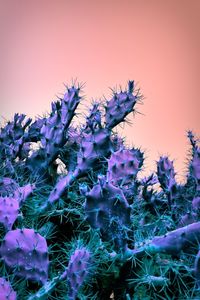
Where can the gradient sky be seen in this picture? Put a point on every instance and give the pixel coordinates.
(105, 43)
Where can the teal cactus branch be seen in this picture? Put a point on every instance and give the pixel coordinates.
(173, 242)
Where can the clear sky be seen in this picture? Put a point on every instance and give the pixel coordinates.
(104, 43)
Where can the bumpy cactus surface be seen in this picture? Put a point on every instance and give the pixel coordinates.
(9, 208)
(78, 271)
(77, 222)
(26, 252)
(107, 209)
(6, 290)
(124, 165)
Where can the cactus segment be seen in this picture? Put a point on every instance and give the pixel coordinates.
(6, 290)
(26, 252)
(107, 209)
(120, 106)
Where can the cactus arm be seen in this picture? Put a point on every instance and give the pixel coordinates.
(173, 242)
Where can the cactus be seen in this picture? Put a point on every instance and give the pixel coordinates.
(78, 271)
(9, 187)
(197, 269)
(194, 165)
(94, 146)
(120, 106)
(23, 192)
(54, 128)
(76, 220)
(96, 141)
(196, 204)
(107, 209)
(177, 240)
(9, 209)
(6, 291)
(166, 177)
(26, 252)
(13, 144)
(123, 166)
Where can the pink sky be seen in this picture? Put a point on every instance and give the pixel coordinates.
(106, 43)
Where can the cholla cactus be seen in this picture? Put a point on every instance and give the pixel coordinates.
(92, 229)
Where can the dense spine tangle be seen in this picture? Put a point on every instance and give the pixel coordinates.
(26, 252)
(197, 269)
(189, 218)
(196, 204)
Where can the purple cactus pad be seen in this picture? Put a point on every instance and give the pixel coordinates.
(26, 252)
(6, 290)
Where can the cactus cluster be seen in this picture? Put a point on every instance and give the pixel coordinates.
(77, 222)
